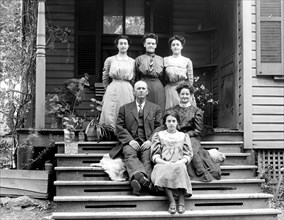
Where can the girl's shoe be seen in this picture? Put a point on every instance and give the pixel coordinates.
(172, 208)
(180, 208)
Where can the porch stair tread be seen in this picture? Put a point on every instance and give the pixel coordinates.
(194, 182)
(102, 154)
(242, 167)
(164, 214)
(115, 142)
(152, 198)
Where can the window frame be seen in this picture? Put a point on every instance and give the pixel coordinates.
(146, 19)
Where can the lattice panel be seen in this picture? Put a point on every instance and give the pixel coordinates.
(274, 159)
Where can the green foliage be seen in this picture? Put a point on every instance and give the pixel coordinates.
(5, 154)
(204, 98)
(18, 31)
(62, 104)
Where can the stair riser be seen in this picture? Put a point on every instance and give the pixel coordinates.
(86, 161)
(225, 148)
(100, 175)
(127, 190)
(179, 217)
(81, 175)
(238, 174)
(89, 149)
(159, 205)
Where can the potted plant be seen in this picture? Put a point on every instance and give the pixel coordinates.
(63, 103)
(96, 131)
(205, 101)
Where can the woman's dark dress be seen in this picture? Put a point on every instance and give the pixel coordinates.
(202, 167)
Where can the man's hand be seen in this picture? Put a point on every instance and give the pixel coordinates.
(135, 145)
(146, 145)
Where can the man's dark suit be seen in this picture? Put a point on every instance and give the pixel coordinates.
(126, 130)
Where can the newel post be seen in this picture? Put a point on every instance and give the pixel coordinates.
(40, 68)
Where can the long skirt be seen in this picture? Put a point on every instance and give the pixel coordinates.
(172, 97)
(156, 92)
(118, 93)
(173, 176)
(202, 167)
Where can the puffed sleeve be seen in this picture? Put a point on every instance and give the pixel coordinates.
(106, 69)
(187, 149)
(136, 69)
(156, 150)
(198, 122)
(190, 72)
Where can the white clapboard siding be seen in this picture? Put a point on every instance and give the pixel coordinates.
(267, 101)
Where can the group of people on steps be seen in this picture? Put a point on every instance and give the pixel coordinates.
(149, 106)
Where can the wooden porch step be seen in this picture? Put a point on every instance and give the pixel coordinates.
(126, 203)
(105, 146)
(244, 214)
(84, 160)
(89, 173)
(87, 188)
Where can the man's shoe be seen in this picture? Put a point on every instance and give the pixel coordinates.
(136, 187)
(142, 179)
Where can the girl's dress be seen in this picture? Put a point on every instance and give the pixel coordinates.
(177, 70)
(201, 167)
(118, 74)
(171, 147)
(150, 68)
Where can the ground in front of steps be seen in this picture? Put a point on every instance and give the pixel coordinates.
(37, 214)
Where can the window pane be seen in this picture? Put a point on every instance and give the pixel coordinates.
(113, 17)
(134, 19)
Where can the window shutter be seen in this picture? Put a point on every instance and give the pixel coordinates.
(270, 37)
(86, 29)
(162, 23)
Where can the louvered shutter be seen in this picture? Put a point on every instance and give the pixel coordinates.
(86, 30)
(270, 37)
(162, 23)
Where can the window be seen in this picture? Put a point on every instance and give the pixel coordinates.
(270, 37)
(124, 17)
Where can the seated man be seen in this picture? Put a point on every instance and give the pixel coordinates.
(135, 125)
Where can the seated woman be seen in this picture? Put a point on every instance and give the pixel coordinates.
(171, 151)
(202, 167)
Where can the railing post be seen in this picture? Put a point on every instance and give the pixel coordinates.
(40, 68)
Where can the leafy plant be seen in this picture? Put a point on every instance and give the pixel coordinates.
(204, 98)
(18, 60)
(95, 130)
(62, 104)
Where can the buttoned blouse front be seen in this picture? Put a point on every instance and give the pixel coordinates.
(119, 69)
(143, 66)
(178, 69)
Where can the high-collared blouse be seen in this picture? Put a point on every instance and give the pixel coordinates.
(142, 66)
(119, 69)
(191, 120)
(171, 146)
(178, 69)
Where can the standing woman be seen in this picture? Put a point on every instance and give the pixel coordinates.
(118, 75)
(177, 69)
(202, 167)
(149, 67)
(170, 151)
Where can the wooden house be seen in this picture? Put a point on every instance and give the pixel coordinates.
(237, 49)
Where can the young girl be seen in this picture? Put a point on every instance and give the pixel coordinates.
(170, 151)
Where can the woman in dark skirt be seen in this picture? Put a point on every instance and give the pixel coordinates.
(202, 167)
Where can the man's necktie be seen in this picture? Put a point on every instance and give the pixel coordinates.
(140, 112)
